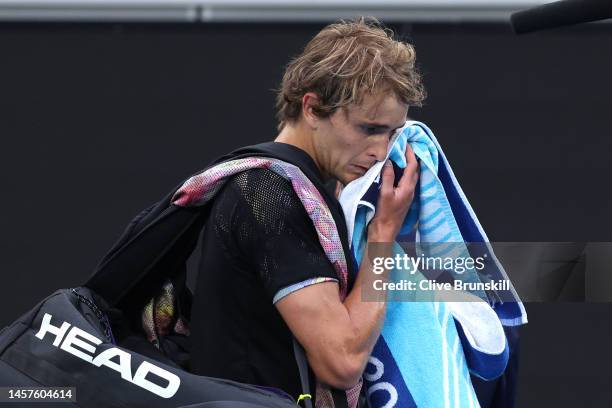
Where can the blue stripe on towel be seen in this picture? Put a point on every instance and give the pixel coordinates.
(381, 380)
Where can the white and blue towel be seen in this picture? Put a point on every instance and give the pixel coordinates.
(427, 349)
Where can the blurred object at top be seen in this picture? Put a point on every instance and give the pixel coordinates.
(193, 11)
(560, 14)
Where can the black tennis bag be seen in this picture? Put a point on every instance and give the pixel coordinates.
(67, 341)
(91, 338)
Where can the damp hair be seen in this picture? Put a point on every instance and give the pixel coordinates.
(343, 63)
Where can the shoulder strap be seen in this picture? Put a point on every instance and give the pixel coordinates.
(158, 240)
(141, 263)
(161, 238)
(302, 363)
(339, 396)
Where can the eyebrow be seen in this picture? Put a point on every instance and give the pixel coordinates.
(381, 125)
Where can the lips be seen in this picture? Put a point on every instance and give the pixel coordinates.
(360, 168)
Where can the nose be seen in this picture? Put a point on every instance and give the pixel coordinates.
(378, 148)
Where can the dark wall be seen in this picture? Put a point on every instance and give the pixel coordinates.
(98, 121)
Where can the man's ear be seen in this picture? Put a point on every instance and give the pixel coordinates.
(310, 101)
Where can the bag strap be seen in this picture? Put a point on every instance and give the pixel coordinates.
(302, 363)
(139, 263)
(339, 396)
(130, 269)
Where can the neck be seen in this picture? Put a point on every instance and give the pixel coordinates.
(296, 135)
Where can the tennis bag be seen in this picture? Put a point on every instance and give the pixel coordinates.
(84, 337)
(67, 341)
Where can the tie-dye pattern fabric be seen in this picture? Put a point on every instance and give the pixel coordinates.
(199, 189)
(159, 316)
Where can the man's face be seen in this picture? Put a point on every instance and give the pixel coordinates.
(352, 139)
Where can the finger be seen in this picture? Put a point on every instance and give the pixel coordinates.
(411, 159)
(411, 172)
(415, 174)
(388, 175)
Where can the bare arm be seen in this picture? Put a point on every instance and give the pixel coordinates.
(339, 336)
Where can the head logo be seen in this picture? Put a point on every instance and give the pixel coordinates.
(66, 337)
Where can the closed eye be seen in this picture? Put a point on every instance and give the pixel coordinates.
(375, 130)
(371, 130)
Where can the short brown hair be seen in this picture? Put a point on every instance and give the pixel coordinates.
(342, 63)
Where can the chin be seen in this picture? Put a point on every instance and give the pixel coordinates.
(348, 178)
